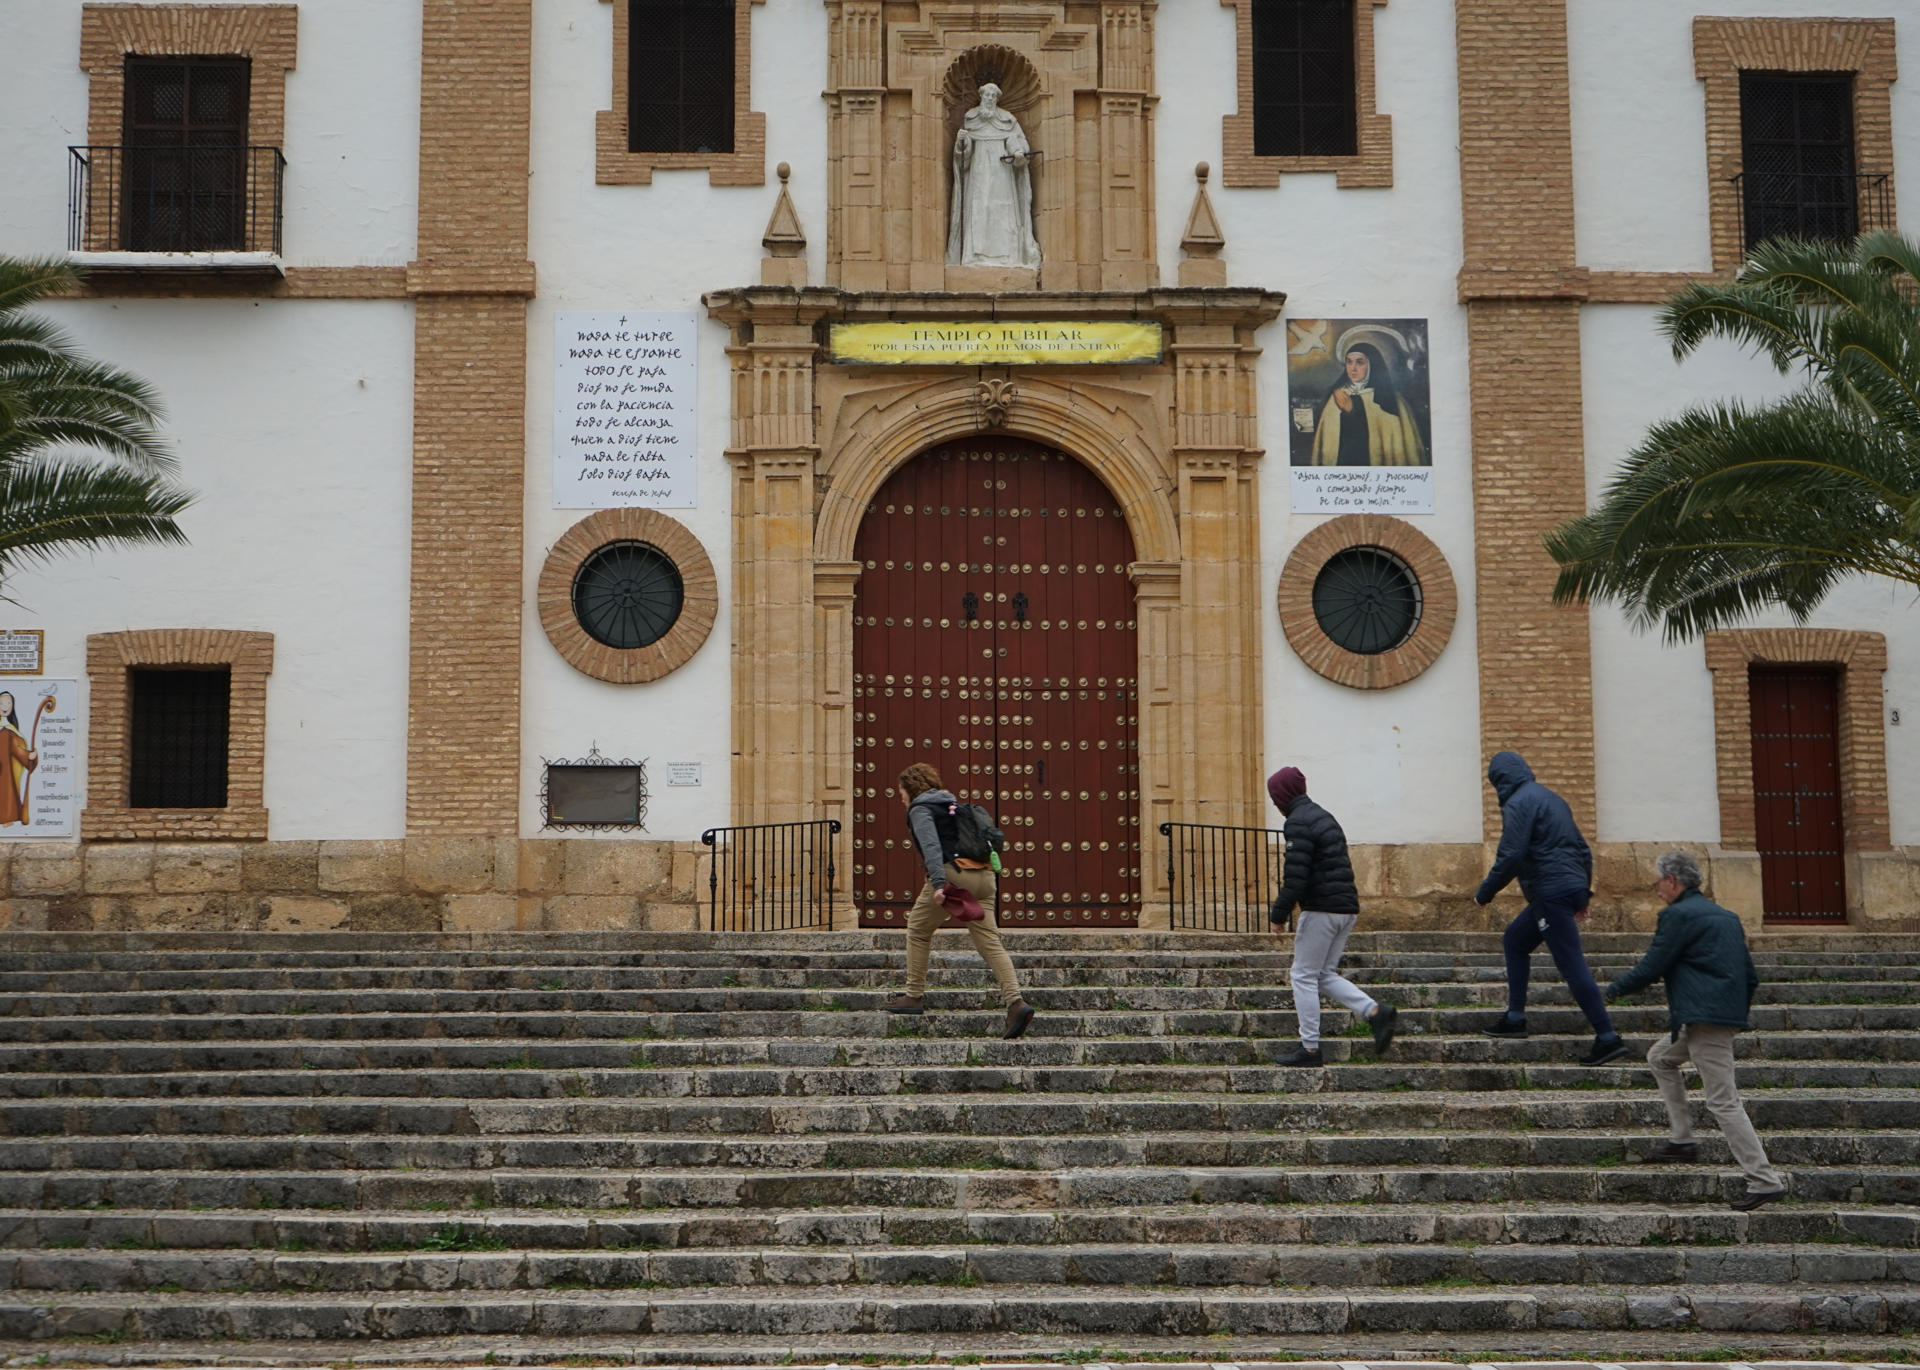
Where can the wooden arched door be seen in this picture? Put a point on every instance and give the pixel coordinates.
(994, 637)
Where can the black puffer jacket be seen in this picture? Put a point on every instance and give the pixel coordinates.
(1319, 875)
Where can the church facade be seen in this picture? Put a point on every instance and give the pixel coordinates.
(618, 423)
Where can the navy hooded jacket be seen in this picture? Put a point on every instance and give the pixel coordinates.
(1539, 844)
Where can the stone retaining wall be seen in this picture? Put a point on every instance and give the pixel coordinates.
(483, 884)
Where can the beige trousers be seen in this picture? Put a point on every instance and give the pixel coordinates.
(1711, 1050)
(928, 915)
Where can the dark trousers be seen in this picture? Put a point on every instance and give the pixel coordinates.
(1552, 921)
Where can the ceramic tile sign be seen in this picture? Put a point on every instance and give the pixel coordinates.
(623, 409)
(39, 758)
(1360, 416)
(22, 651)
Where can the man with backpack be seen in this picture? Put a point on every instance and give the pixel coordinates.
(961, 888)
(1319, 878)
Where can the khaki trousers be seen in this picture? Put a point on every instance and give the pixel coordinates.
(928, 915)
(1711, 1050)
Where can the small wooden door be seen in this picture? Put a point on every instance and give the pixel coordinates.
(1796, 793)
(994, 637)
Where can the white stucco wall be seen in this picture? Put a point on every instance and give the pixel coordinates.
(352, 137)
(658, 246)
(292, 422)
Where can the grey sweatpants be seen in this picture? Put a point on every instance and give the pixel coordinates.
(1319, 940)
(1711, 1050)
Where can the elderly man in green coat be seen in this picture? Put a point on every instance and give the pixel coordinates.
(1700, 950)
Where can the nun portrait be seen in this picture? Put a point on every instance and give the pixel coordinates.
(1367, 421)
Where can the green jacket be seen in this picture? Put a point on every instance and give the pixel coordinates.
(1700, 950)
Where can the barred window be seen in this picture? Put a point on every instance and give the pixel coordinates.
(186, 148)
(177, 752)
(680, 92)
(1304, 81)
(1796, 142)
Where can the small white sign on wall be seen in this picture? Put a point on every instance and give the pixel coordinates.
(39, 758)
(683, 773)
(623, 409)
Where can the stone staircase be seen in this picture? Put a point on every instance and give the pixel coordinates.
(697, 1148)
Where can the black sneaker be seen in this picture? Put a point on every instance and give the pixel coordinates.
(1606, 1049)
(1382, 1023)
(1504, 1026)
(1302, 1056)
(1019, 1014)
(1674, 1151)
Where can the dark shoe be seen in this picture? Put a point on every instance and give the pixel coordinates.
(900, 1003)
(1382, 1023)
(1301, 1056)
(1674, 1151)
(1019, 1014)
(1504, 1026)
(1606, 1049)
(1749, 1201)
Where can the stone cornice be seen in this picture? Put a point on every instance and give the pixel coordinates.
(1245, 307)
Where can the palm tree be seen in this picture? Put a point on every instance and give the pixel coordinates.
(1730, 508)
(52, 397)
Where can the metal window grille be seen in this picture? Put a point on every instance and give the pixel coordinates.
(1798, 176)
(186, 165)
(771, 877)
(1367, 600)
(628, 595)
(1222, 879)
(1304, 79)
(680, 75)
(177, 752)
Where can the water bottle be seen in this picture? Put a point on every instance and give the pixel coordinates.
(993, 859)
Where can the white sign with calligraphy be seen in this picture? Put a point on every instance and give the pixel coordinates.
(623, 409)
(39, 758)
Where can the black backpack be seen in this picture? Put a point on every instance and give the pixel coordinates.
(976, 837)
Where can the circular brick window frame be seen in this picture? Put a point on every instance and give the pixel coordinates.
(1439, 601)
(700, 603)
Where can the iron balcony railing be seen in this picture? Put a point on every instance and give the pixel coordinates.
(161, 198)
(1222, 879)
(1836, 206)
(771, 877)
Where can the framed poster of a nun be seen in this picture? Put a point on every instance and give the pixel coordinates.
(1359, 401)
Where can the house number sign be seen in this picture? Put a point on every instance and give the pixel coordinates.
(991, 343)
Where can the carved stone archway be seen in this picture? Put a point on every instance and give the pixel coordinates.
(1175, 442)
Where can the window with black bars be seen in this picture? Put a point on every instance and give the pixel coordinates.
(1797, 172)
(177, 749)
(1303, 79)
(186, 153)
(680, 75)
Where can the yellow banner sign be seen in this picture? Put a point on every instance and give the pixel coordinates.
(995, 344)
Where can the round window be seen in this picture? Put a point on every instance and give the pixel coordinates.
(627, 595)
(1367, 600)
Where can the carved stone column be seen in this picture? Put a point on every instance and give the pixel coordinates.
(775, 756)
(834, 584)
(856, 92)
(1130, 259)
(1156, 597)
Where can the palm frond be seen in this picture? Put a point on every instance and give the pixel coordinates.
(50, 507)
(28, 280)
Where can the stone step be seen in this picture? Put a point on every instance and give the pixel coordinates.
(926, 1187)
(1007, 1309)
(517, 1078)
(1154, 999)
(1073, 973)
(955, 1016)
(471, 1264)
(322, 1153)
(1635, 1109)
(1800, 1223)
(462, 1054)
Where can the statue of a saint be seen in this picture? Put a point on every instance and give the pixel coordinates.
(992, 215)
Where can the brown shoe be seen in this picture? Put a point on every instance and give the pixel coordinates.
(1019, 1014)
(1751, 1200)
(901, 1003)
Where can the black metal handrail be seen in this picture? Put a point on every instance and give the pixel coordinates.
(154, 197)
(1838, 206)
(1222, 879)
(771, 877)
